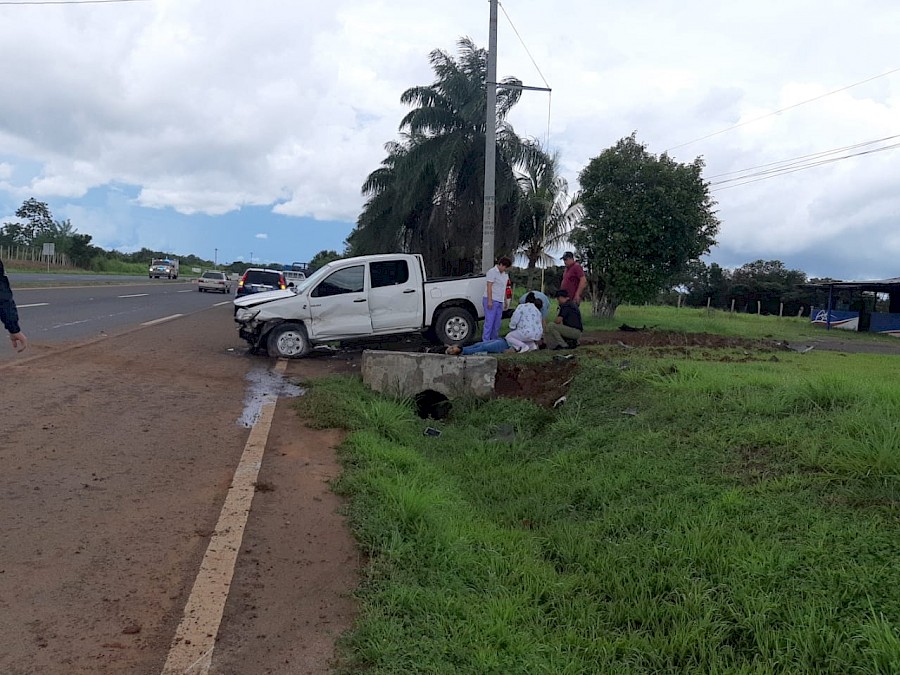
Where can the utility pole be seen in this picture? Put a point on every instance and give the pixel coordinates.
(490, 143)
(490, 148)
(216, 257)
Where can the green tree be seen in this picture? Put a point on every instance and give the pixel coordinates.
(547, 213)
(322, 258)
(428, 194)
(645, 219)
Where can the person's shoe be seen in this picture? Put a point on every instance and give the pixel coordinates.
(453, 350)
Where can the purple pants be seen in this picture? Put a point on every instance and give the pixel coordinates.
(492, 319)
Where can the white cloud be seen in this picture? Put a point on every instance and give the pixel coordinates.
(262, 235)
(207, 108)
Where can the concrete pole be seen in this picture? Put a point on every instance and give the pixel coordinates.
(490, 148)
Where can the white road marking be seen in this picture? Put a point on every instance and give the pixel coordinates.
(165, 318)
(35, 304)
(219, 304)
(194, 641)
(190, 290)
(134, 295)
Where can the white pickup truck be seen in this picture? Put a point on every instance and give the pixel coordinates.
(355, 298)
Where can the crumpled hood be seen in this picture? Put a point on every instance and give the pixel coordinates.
(261, 298)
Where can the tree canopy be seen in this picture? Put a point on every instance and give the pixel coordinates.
(645, 219)
(428, 194)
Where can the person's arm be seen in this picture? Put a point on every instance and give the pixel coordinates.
(490, 298)
(582, 284)
(9, 315)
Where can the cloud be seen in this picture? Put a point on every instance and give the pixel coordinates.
(206, 110)
(262, 235)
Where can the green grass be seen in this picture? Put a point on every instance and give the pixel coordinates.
(745, 520)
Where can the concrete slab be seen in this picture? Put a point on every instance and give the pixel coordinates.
(410, 373)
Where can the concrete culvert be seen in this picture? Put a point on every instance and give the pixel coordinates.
(433, 404)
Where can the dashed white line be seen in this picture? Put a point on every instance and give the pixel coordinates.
(165, 318)
(134, 295)
(219, 304)
(34, 304)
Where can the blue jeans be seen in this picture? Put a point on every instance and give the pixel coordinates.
(497, 346)
(493, 317)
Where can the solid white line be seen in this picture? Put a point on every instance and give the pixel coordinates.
(194, 641)
(134, 295)
(165, 318)
(36, 304)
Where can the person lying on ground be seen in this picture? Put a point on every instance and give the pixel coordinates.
(527, 325)
(567, 327)
(498, 346)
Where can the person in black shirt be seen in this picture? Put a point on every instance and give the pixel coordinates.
(565, 331)
(9, 315)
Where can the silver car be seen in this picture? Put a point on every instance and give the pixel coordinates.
(214, 281)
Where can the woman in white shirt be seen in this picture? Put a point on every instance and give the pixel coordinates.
(494, 298)
(527, 325)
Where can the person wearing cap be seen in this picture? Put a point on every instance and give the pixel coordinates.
(9, 315)
(574, 280)
(495, 298)
(566, 330)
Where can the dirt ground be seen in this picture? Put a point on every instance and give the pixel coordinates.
(116, 459)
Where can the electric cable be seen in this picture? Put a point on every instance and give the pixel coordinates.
(765, 175)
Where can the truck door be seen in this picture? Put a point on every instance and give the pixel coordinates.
(339, 306)
(395, 296)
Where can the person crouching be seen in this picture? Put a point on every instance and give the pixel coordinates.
(527, 325)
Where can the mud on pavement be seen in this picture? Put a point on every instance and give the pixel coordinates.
(116, 459)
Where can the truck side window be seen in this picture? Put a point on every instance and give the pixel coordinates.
(389, 273)
(347, 280)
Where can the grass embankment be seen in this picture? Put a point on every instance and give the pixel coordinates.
(742, 517)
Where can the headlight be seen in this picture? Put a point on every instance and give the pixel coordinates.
(245, 315)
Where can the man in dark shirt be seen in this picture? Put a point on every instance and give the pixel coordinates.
(9, 315)
(567, 328)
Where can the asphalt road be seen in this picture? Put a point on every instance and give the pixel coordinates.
(56, 316)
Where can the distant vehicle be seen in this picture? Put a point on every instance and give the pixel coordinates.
(259, 280)
(361, 297)
(214, 281)
(163, 267)
(294, 277)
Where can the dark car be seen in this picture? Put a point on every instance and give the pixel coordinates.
(257, 280)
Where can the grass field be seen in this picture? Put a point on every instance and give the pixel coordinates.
(690, 512)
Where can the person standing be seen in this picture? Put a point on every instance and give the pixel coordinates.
(494, 298)
(9, 315)
(574, 280)
(567, 328)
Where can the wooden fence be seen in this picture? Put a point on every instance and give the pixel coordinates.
(33, 254)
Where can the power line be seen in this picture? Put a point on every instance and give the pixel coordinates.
(761, 117)
(794, 160)
(765, 175)
(523, 45)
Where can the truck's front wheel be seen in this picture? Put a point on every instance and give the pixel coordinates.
(288, 341)
(454, 326)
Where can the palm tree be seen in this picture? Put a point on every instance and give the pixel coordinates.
(547, 213)
(428, 195)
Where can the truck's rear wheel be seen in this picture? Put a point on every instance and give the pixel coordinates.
(454, 326)
(288, 341)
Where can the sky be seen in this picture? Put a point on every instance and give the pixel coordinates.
(243, 130)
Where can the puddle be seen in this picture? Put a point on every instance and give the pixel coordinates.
(264, 386)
